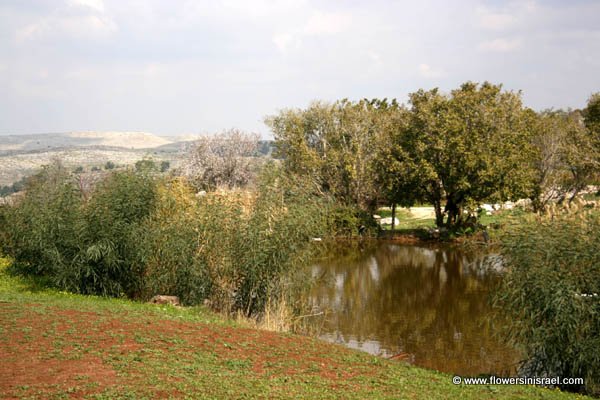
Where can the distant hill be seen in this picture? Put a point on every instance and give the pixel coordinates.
(126, 140)
(23, 155)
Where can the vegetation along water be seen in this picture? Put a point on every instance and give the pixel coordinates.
(238, 229)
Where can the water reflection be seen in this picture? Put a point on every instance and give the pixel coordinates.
(430, 304)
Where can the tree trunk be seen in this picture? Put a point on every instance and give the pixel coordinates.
(453, 212)
(393, 216)
(439, 215)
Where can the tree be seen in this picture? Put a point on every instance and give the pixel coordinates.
(334, 144)
(109, 165)
(580, 155)
(462, 149)
(226, 159)
(591, 115)
(548, 172)
(145, 165)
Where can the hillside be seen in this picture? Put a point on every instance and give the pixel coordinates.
(59, 345)
(23, 155)
(126, 140)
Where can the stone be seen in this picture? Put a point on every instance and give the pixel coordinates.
(388, 221)
(162, 299)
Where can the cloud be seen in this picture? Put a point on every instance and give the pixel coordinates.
(96, 5)
(426, 71)
(181, 66)
(78, 18)
(285, 41)
(317, 24)
(327, 23)
(500, 45)
(88, 26)
(496, 21)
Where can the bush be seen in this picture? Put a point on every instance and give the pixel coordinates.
(236, 248)
(41, 232)
(84, 247)
(552, 292)
(108, 261)
(169, 249)
(137, 237)
(272, 239)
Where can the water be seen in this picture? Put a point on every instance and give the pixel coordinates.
(425, 305)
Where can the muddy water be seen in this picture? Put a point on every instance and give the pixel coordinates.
(426, 305)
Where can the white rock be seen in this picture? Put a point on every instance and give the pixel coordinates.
(388, 221)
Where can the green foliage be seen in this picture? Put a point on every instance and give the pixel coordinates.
(85, 247)
(334, 144)
(14, 188)
(591, 115)
(462, 149)
(40, 234)
(136, 236)
(250, 245)
(168, 245)
(552, 292)
(145, 165)
(453, 151)
(107, 262)
(164, 166)
(109, 165)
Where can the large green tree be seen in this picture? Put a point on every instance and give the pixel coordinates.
(334, 144)
(591, 114)
(461, 149)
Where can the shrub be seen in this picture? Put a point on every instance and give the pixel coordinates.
(138, 237)
(169, 238)
(552, 291)
(41, 232)
(273, 239)
(108, 261)
(250, 241)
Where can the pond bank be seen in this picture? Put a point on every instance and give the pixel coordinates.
(56, 344)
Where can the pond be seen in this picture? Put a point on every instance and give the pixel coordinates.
(425, 305)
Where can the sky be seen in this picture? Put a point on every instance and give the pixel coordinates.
(175, 67)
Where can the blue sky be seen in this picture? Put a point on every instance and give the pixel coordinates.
(177, 67)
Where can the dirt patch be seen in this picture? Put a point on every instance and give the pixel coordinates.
(48, 351)
(422, 212)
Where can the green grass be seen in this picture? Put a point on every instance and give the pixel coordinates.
(406, 220)
(59, 345)
(408, 223)
(591, 196)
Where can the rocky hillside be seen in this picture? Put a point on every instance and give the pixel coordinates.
(23, 155)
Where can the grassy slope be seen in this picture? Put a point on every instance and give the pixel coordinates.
(59, 345)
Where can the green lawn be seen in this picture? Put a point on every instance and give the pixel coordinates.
(59, 345)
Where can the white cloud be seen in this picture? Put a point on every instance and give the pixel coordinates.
(500, 45)
(327, 23)
(285, 41)
(267, 54)
(96, 5)
(426, 71)
(496, 21)
(90, 26)
(76, 18)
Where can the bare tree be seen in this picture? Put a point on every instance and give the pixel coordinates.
(226, 159)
